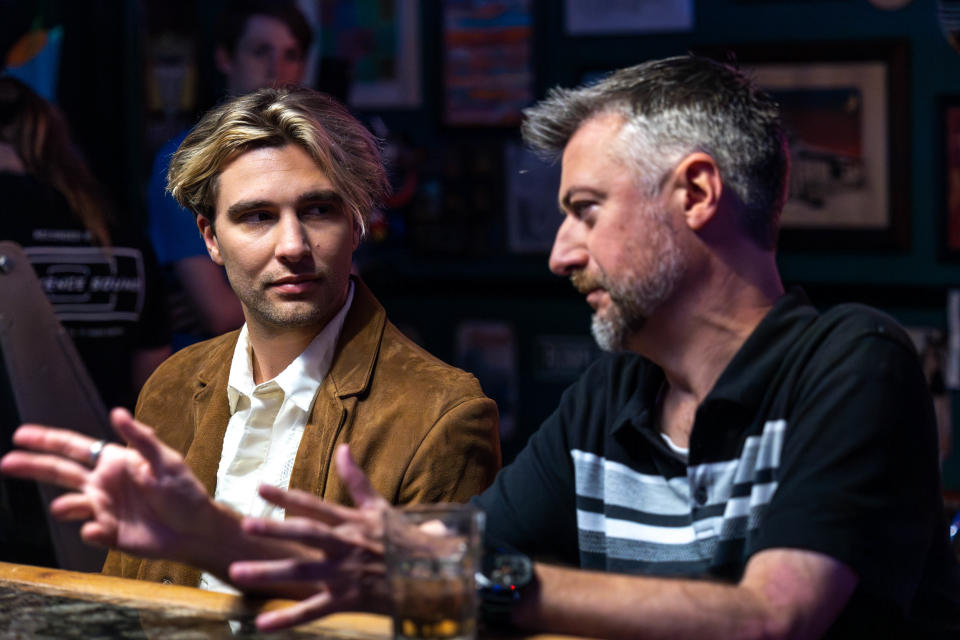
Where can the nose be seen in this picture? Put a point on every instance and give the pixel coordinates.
(292, 243)
(569, 252)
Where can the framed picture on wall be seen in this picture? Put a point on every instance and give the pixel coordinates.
(950, 190)
(488, 62)
(374, 50)
(845, 108)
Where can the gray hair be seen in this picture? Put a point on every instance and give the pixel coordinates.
(674, 107)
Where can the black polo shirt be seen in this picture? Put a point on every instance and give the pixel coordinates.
(818, 435)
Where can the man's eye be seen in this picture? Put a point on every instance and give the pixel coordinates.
(580, 208)
(255, 217)
(317, 210)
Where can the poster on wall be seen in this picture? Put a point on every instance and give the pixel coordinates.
(487, 71)
(589, 17)
(379, 42)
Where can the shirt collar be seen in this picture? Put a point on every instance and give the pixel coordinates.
(745, 378)
(302, 377)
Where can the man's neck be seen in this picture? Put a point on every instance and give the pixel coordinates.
(697, 334)
(273, 351)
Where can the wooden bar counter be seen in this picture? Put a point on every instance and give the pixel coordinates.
(37, 602)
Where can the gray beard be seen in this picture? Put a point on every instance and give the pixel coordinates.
(638, 297)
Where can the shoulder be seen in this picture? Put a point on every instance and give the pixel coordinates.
(855, 330)
(193, 361)
(407, 365)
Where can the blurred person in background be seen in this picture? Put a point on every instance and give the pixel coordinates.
(100, 277)
(260, 43)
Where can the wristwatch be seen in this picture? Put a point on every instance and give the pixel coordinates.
(501, 585)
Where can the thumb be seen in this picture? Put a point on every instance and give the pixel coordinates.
(138, 436)
(362, 492)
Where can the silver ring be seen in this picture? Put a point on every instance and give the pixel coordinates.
(95, 450)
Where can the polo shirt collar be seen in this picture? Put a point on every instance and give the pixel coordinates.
(746, 377)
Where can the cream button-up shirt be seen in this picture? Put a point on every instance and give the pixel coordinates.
(266, 424)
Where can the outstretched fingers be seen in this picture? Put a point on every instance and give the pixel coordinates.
(60, 442)
(267, 573)
(139, 436)
(51, 469)
(312, 608)
(359, 486)
(72, 506)
(306, 531)
(300, 503)
(99, 533)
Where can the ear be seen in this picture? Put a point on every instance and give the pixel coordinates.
(222, 59)
(209, 239)
(701, 186)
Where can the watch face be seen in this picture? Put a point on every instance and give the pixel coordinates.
(510, 570)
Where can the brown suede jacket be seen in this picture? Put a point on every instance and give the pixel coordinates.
(422, 430)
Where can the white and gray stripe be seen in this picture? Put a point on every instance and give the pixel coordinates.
(646, 519)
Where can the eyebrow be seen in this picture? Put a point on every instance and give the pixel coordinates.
(319, 195)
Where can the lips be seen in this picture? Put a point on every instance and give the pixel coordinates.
(589, 286)
(295, 283)
(594, 297)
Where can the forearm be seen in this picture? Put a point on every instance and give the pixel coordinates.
(784, 593)
(621, 606)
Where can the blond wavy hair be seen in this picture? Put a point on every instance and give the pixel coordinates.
(341, 146)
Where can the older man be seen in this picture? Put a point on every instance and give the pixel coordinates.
(281, 183)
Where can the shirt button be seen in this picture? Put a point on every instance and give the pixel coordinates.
(700, 495)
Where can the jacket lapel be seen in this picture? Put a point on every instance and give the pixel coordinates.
(349, 376)
(211, 411)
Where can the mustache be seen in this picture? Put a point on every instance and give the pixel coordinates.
(584, 282)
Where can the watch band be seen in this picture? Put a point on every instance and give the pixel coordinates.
(501, 585)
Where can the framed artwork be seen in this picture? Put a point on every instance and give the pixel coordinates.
(592, 18)
(845, 108)
(950, 154)
(487, 66)
(379, 42)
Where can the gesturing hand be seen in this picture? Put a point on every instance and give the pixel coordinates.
(352, 573)
(142, 499)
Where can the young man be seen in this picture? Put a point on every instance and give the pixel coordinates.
(281, 183)
(259, 44)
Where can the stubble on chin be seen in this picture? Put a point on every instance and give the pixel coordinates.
(610, 326)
